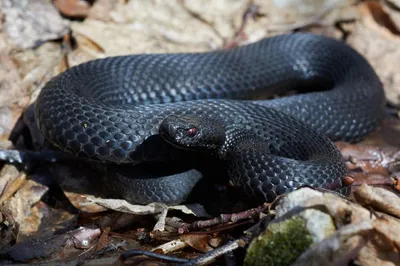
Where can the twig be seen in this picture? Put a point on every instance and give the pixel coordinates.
(221, 228)
(211, 256)
(135, 252)
(176, 223)
(223, 218)
(171, 246)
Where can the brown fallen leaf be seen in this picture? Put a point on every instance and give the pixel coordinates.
(8, 175)
(198, 241)
(338, 249)
(383, 246)
(29, 23)
(122, 39)
(10, 81)
(362, 235)
(380, 46)
(285, 16)
(391, 9)
(22, 206)
(12, 186)
(342, 210)
(152, 208)
(371, 159)
(396, 182)
(391, 230)
(375, 160)
(73, 8)
(37, 66)
(12, 94)
(102, 10)
(378, 198)
(148, 27)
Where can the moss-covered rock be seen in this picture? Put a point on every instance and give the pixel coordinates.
(280, 244)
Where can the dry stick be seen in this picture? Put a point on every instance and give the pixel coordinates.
(135, 252)
(176, 223)
(211, 256)
(205, 259)
(225, 218)
(220, 229)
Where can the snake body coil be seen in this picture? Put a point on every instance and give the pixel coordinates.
(109, 109)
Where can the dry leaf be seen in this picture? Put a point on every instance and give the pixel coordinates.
(383, 244)
(283, 16)
(28, 23)
(13, 185)
(342, 210)
(361, 234)
(223, 16)
(10, 82)
(171, 20)
(152, 208)
(338, 249)
(380, 46)
(147, 27)
(378, 198)
(199, 242)
(22, 206)
(37, 66)
(72, 8)
(392, 10)
(101, 10)
(121, 39)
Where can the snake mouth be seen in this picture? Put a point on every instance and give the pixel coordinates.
(169, 134)
(170, 140)
(167, 138)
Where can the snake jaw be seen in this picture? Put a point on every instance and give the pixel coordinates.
(192, 133)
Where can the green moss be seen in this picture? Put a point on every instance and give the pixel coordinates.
(280, 244)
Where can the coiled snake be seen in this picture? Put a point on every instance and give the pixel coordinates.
(109, 109)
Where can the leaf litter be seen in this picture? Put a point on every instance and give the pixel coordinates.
(43, 220)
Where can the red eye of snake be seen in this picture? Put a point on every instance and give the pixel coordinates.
(191, 132)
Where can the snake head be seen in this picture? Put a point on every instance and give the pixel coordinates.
(193, 132)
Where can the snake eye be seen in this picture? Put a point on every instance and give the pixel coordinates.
(191, 132)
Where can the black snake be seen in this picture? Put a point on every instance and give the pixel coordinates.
(113, 110)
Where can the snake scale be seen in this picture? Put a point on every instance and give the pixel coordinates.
(124, 110)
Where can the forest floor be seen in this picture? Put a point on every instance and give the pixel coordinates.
(48, 223)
